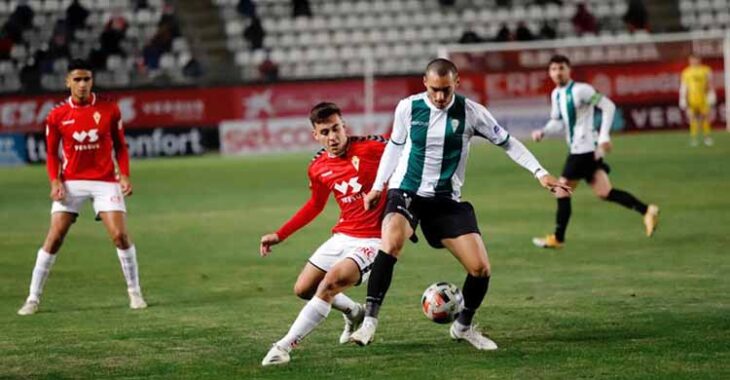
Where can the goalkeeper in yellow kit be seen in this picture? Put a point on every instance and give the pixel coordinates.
(696, 96)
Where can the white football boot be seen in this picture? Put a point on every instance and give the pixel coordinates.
(471, 335)
(365, 334)
(136, 301)
(276, 355)
(30, 307)
(352, 323)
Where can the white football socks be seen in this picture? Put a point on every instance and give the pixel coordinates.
(312, 314)
(43, 263)
(128, 259)
(344, 303)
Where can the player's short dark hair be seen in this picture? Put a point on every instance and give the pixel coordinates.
(323, 111)
(442, 67)
(559, 58)
(79, 64)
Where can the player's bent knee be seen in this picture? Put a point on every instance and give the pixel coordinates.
(120, 239)
(603, 195)
(393, 244)
(302, 291)
(480, 271)
(331, 286)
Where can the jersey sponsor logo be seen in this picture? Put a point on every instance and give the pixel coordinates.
(82, 136)
(92, 134)
(353, 184)
(353, 187)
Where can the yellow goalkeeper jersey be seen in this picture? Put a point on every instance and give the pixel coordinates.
(697, 81)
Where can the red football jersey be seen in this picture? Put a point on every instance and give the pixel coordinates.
(92, 135)
(349, 177)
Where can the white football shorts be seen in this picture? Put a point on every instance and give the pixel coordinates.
(105, 196)
(341, 247)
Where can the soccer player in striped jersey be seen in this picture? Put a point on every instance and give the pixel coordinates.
(424, 166)
(91, 133)
(346, 168)
(696, 96)
(573, 106)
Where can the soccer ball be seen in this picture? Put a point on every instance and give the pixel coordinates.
(442, 302)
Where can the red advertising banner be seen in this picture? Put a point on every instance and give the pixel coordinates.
(209, 106)
(519, 98)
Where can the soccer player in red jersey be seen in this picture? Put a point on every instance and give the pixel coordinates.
(345, 167)
(91, 131)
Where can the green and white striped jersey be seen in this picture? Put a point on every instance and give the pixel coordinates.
(436, 143)
(573, 107)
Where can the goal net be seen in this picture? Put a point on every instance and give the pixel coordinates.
(640, 73)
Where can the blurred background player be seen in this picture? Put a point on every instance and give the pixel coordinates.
(572, 109)
(424, 165)
(696, 96)
(92, 134)
(345, 167)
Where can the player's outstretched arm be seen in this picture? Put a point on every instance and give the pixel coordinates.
(307, 213)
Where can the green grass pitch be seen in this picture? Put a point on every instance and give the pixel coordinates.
(612, 304)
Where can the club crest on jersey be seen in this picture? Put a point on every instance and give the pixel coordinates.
(97, 117)
(356, 162)
(454, 125)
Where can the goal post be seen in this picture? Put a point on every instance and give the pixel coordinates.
(640, 73)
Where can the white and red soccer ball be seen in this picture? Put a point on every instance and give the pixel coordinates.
(442, 302)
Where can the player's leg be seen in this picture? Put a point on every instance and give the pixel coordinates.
(396, 229)
(60, 224)
(348, 271)
(572, 172)
(116, 227)
(321, 261)
(693, 126)
(706, 126)
(341, 277)
(565, 209)
(469, 249)
(602, 187)
(308, 280)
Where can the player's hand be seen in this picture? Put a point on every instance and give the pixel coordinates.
(537, 135)
(126, 185)
(555, 186)
(58, 191)
(606, 147)
(266, 242)
(371, 199)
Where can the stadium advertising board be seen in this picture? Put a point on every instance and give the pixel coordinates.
(12, 149)
(210, 106)
(288, 134)
(142, 143)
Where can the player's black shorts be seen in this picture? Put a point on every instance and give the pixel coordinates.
(440, 217)
(583, 166)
